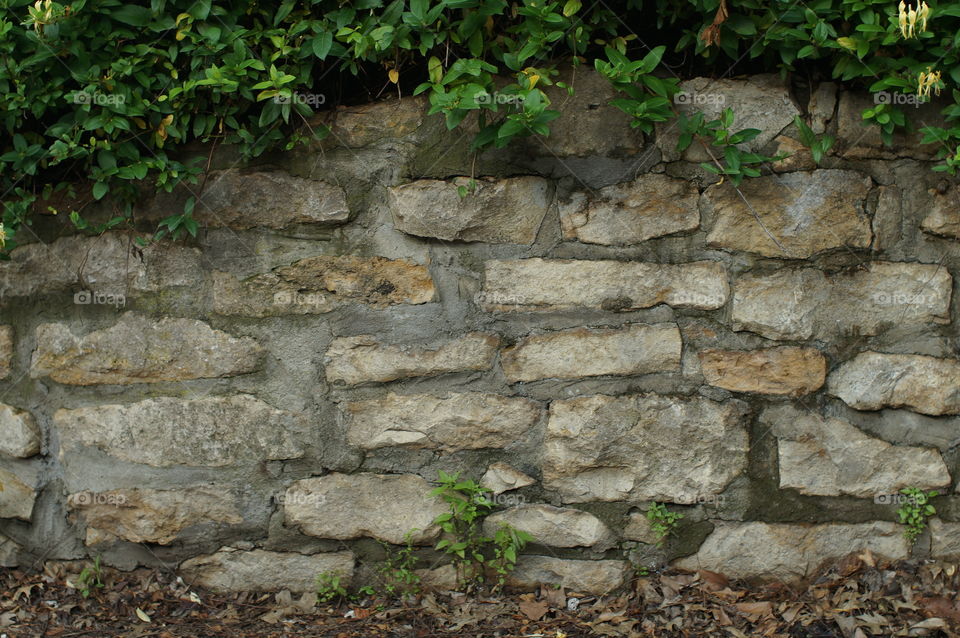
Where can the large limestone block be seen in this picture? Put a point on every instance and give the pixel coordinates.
(233, 570)
(553, 526)
(587, 576)
(778, 371)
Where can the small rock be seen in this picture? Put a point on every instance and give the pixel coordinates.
(19, 433)
(588, 576)
(500, 478)
(553, 526)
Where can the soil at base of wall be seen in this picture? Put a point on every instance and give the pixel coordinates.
(857, 597)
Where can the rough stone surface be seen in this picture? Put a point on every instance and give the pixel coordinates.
(807, 303)
(888, 218)
(805, 212)
(151, 516)
(16, 497)
(365, 359)
(317, 285)
(585, 352)
(553, 526)
(944, 216)
(858, 139)
(9, 552)
(506, 211)
(944, 539)
(585, 576)
(244, 199)
(784, 370)
(822, 104)
(642, 447)
(650, 206)
(110, 264)
(207, 432)
(19, 433)
(500, 478)
(138, 349)
(233, 570)
(564, 284)
(6, 351)
(382, 506)
(455, 421)
(376, 123)
(790, 552)
(829, 457)
(638, 529)
(874, 380)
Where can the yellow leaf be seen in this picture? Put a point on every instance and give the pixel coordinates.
(394, 75)
(142, 615)
(180, 35)
(847, 43)
(181, 17)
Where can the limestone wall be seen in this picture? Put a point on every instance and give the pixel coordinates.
(598, 326)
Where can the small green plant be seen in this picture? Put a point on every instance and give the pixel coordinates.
(915, 511)
(329, 588)
(736, 163)
(90, 578)
(397, 570)
(818, 145)
(473, 553)
(663, 522)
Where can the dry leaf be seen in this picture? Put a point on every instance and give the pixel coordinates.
(534, 609)
(142, 615)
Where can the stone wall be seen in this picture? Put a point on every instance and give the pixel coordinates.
(598, 326)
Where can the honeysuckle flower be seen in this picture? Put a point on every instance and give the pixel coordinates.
(3, 236)
(908, 18)
(927, 80)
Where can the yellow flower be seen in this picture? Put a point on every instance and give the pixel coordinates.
(3, 235)
(927, 80)
(908, 18)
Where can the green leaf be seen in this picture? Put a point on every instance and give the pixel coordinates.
(133, 15)
(100, 189)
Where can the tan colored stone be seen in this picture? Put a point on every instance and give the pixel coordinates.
(944, 539)
(6, 351)
(857, 139)
(587, 576)
(810, 304)
(788, 552)
(16, 496)
(805, 212)
(944, 216)
(505, 211)
(346, 506)
(365, 359)
(317, 285)
(19, 433)
(874, 380)
(232, 570)
(831, 457)
(164, 432)
(455, 421)
(650, 206)
(567, 284)
(642, 448)
(377, 122)
(784, 370)
(584, 352)
(151, 516)
(439, 579)
(500, 478)
(553, 526)
(138, 349)
(798, 157)
(638, 529)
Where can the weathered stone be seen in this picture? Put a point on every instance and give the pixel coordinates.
(585, 352)
(500, 478)
(383, 506)
(585, 576)
(782, 370)
(638, 529)
(565, 284)
(365, 359)
(874, 380)
(805, 212)
(790, 553)
(9, 552)
(650, 206)
(138, 349)
(151, 516)
(207, 432)
(822, 104)
(809, 304)
(19, 433)
(642, 448)
(860, 139)
(16, 496)
(439, 579)
(109, 264)
(798, 157)
(233, 570)
(244, 199)
(762, 102)
(888, 218)
(506, 211)
(6, 351)
(553, 526)
(944, 539)
(455, 421)
(944, 216)
(829, 457)
(316, 285)
(378, 122)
